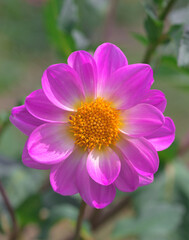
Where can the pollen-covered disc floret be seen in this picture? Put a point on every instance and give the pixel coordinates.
(95, 124)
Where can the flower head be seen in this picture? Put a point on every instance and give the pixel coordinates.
(96, 124)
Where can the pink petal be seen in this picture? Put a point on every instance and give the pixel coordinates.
(145, 180)
(50, 143)
(163, 137)
(23, 120)
(141, 120)
(83, 63)
(31, 163)
(108, 58)
(39, 106)
(94, 194)
(140, 153)
(62, 86)
(128, 85)
(128, 179)
(103, 166)
(155, 98)
(63, 175)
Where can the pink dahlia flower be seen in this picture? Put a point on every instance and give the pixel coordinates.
(96, 125)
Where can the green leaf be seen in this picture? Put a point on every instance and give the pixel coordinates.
(28, 211)
(183, 55)
(61, 39)
(155, 220)
(152, 24)
(153, 28)
(139, 37)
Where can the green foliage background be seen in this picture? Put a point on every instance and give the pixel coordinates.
(35, 34)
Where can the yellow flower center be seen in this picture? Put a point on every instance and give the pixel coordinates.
(95, 124)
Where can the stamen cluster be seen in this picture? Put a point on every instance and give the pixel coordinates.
(95, 124)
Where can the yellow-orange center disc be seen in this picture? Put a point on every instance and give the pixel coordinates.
(95, 124)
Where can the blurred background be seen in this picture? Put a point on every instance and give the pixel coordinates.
(37, 33)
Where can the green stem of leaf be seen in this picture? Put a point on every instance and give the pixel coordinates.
(166, 10)
(150, 50)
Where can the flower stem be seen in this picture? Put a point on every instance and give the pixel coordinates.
(151, 48)
(14, 233)
(166, 10)
(79, 221)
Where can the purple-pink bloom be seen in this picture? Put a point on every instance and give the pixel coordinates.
(96, 124)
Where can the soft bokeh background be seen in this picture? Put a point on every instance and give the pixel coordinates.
(37, 33)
